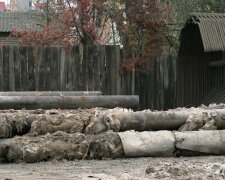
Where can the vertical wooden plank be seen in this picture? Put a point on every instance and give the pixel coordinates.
(17, 69)
(112, 65)
(6, 68)
(157, 81)
(143, 91)
(47, 62)
(23, 71)
(1, 69)
(170, 93)
(37, 68)
(77, 68)
(42, 68)
(97, 66)
(67, 61)
(147, 94)
(11, 69)
(154, 85)
(63, 70)
(90, 67)
(70, 69)
(108, 70)
(133, 82)
(113, 76)
(166, 91)
(54, 66)
(167, 83)
(124, 76)
(84, 70)
(162, 69)
(30, 73)
(174, 81)
(151, 87)
(137, 79)
(128, 83)
(117, 67)
(103, 79)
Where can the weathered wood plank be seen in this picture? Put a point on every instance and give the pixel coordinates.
(84, 77)
(47, 62)
(6, 68)
(152, 89)
(41, 69)
(168, 83)
(108, 71)
(143, 91)
(54, 65)
(23, 69)
(90, 67)
(31, 65)
(1, 69)
(96, 65)
(103, 79)
(174, 69)
(62, 70)
(157, 81)
(67, 56)
(37, 69)
(147, 94)
(113, 77)
(77, 68)
(17, 69)
(124, 76)
(161, 82)
(117, 68)
(11, 69)
(70, 69)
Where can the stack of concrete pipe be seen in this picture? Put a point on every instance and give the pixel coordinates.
(98, 133)
(61, 145)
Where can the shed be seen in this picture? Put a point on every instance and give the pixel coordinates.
(16, 20)
(201, 60)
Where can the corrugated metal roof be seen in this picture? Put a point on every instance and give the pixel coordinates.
(17, 20)
(212, 29)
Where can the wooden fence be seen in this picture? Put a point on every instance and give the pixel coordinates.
(90, 68)
(157, 89)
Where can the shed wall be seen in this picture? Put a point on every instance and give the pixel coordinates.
(195, 78)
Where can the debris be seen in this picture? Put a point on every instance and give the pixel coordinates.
(69, 123)
(12, 124)
(61, 145)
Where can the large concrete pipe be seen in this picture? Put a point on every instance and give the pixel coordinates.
(61, 145)
(67, 102)
(143, 121)
(51, 93)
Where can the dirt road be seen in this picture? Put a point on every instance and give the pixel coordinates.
(120, 169)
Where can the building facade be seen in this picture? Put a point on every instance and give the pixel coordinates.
(21, 5)
(2, 6)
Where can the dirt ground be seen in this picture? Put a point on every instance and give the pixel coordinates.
(212, 167)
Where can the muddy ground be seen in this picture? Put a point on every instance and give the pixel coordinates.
(212, 167)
